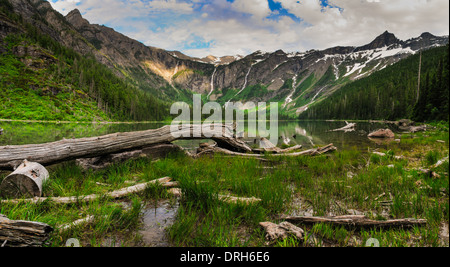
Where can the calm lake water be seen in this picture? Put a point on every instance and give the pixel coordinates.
(306, 133)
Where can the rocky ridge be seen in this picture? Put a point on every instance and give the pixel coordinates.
(296, 80)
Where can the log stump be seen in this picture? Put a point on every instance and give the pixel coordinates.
(26, 180)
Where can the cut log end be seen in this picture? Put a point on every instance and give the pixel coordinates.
(25, 181)
(17, 185)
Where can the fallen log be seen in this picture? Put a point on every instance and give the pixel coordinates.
(177, 192)
(64, 150)
(350, 127)
(23, 233)
(264, 143)
(384, 154)
(277, 150)
(26, 180)
(430, 171)
(310, 152)
(70, 200)
(414, 129)
(359, 221)
(67, 227)
(439, 163)
(237, 200)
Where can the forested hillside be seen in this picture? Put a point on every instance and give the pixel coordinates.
(41, 79)
(392, 93)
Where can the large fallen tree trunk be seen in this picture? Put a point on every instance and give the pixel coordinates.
(357, 221)
(51, 153)
(23, 233)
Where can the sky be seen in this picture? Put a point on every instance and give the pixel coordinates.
(200, 28)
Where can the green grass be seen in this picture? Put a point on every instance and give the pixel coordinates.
(382, 187)
(35, 94)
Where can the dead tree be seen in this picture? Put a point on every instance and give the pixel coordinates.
(64, 150)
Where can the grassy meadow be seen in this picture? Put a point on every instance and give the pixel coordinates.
(351, 181)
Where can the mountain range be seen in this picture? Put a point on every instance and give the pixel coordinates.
(295, 80)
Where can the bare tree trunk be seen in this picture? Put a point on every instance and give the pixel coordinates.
(420, 73)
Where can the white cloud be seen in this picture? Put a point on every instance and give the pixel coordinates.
(243, 26)
(362, 20)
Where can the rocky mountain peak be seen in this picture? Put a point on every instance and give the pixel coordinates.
(385, 39)
(427, 35)
(75, 12)
(76, 19)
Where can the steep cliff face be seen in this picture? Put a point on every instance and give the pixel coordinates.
(296, 80)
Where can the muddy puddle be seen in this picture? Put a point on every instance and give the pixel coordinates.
(156, 218)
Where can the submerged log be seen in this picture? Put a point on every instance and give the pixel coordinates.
(360, 221)
(26, 180)
(23, 233)
(56, 152)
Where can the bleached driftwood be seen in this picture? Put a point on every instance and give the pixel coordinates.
(115, 194)
(67, 227)
(310, 152)
(281, 231)
(350, 127)
(384, 154)
(177, 192)
(430, 171)
(239, 200)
